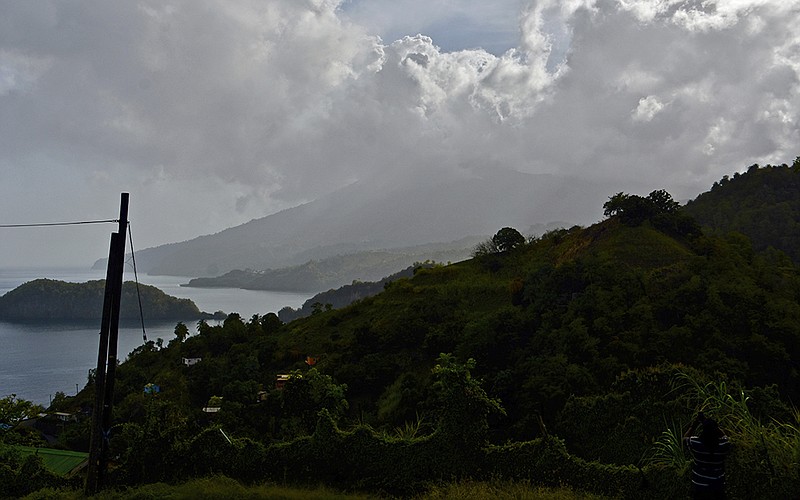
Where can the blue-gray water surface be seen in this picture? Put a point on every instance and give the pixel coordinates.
(38, 360)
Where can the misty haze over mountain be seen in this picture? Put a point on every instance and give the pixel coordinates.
(211, 114)
(366, 217)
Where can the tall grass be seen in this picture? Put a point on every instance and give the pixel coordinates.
(411, 430)
(668, 450)
(766, 450)
(502, 490)
(777, 444)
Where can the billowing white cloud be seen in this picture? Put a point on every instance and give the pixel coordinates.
(648, 108)
(212, 113)
(465, 24)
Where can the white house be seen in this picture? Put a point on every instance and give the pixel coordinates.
(191, 361)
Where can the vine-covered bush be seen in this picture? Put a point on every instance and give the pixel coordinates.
(20, 476)
(763, 461)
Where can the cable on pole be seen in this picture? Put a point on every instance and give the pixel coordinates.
(50, 224)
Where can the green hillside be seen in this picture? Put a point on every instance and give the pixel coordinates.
(565, 316)
(762, 203)
(575, 359)
(47, 300)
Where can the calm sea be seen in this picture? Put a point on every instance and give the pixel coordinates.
(38, 360)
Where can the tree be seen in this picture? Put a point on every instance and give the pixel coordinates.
(487, 247)
(270, 323)
(507, 238)
(181, 331)
(304, 395)
(633, 210)
(13, 409)
(662, 201)
(152, 449)
(615, 204)
(463, 404)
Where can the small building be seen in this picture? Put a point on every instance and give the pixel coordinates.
(280, 380)
(48, 425)
(63, 417)
(191, 361)
(214, 404)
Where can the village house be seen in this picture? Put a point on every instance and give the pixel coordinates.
(191, 361)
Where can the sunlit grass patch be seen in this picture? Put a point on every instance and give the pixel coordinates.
(222, 487)
(502, 490)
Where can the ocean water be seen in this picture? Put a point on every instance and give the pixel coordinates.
(38, 360)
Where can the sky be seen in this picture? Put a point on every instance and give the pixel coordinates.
(212, 113)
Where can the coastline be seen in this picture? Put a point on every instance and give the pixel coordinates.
(40, 358)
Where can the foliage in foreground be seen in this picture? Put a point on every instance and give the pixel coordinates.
(19, 476)
(457, 448)
(765, 454)
(580, 331)
(366, 460)
(456, 452)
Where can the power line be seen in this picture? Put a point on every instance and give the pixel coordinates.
(103, 221)
(48, 224)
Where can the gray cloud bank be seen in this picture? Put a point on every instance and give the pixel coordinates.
(211, 112)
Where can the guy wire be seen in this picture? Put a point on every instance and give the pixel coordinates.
(136, 279)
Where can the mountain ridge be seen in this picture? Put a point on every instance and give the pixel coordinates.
(363, 217)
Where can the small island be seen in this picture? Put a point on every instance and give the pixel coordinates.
(55, 300)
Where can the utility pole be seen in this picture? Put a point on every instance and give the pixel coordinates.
(107, 356)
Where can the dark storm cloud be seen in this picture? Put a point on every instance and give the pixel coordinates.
(214, 112)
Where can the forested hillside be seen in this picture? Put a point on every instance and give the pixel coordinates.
(46, 299)
(345, 295)
(565, 316)
(574, 358)
(763, 203)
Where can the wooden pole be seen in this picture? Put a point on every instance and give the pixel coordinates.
(106, 355)
(113, 331)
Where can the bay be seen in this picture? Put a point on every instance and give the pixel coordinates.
(39, 359)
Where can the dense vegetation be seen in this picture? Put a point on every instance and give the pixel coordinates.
(762, 203)
(345, 295)
(575, 358)
(47, 300)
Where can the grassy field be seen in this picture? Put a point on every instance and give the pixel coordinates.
(224, 488)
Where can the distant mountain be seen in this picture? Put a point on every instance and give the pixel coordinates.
(762, 203)
(364, 216)
(346, 295)
(47, 300)
(333, 272)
